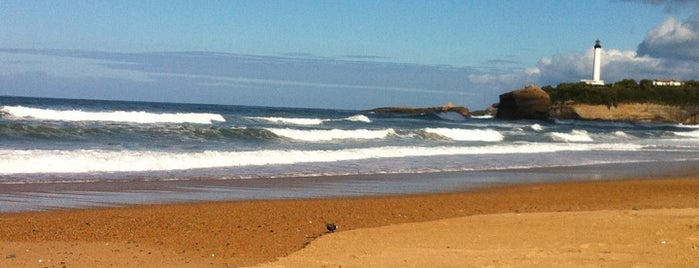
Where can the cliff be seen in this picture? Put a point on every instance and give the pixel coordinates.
(463, 111)
(630, 112)
(535, 103)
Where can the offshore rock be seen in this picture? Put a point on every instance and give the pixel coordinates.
(529, 103)
(449, 107)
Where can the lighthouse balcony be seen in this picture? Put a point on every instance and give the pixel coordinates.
(594, 82)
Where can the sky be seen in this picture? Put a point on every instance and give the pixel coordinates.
(357, 54)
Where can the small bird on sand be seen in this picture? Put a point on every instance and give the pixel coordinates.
(331, 227)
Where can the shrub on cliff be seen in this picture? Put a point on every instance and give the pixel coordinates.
(626, 91)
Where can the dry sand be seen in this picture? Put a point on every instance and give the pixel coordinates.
(641, 223)
(613, 238)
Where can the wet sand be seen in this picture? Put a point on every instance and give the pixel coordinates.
(632, 218)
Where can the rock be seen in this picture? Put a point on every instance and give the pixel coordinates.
(529, 103)
(492, 110)
(449, 107)
(564, 110)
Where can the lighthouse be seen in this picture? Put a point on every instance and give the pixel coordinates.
(596, 66)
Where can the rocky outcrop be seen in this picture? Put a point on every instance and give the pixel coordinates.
(490, 111)
(528, 103)
(564, 110)
(449, 107)
(629, 112)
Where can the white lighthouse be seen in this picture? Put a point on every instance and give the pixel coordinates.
(596, 66)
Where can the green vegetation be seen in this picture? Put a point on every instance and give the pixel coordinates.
(626, 91)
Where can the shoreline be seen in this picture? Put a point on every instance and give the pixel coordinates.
(241, 233)
(111, 193)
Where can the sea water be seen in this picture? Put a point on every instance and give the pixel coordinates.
(62, 141)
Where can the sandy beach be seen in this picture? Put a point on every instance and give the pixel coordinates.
(640, 223)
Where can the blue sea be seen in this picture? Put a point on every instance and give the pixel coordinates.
(58, 153)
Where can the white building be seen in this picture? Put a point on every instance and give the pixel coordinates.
(666, 82)
(596, 66)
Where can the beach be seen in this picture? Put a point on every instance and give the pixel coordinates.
(642, 223)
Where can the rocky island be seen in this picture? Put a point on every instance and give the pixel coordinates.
(448, 107)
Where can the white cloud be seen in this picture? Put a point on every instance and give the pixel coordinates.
(673, 39)
(671, 31)
(616, 65)
(670, 50)
(532, 71)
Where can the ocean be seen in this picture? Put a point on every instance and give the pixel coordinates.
(61, 153)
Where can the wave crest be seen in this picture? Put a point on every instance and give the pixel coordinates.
(487, 135)
(318, 135)
(140, 117)
(359, 118)
(309, 121)
(574, 136)
(291, 121)
(690, 134)
(86, 161)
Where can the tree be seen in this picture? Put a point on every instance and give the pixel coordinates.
(626, 91)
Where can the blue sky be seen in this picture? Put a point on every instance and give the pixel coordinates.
(334, 54)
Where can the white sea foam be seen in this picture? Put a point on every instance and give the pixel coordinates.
(317, 135)
(536, 127)
(291, 121)
(690, 134)
(359, 118)
(621, 134)
(482, 116)
(84, 161)
(112, 116)
(467, 134)
(310, 121)
(688, 126)
(574, 136)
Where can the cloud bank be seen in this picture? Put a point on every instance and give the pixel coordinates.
(223, 78)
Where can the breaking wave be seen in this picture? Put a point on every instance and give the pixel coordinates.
(536, 127)
(290, 121)
(317, 135)
(111, 116)
(359, 118)
(467, 134)
(309, 121)
(87, 161)
(690, 134)
(574, 136)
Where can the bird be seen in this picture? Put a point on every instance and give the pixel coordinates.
(331, 227)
